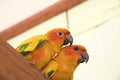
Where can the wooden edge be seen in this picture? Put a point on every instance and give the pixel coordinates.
(38, 18)
(14, 66)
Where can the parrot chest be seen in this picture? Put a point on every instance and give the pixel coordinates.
(63, 73)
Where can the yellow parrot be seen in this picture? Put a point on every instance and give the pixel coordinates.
(62, 67)
(40, 49)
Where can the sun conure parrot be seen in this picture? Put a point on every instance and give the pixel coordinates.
(63, 65)
(40, 49)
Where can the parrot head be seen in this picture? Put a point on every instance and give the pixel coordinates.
(76, 53)
(59, 37)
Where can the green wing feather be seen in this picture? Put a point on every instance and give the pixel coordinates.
(50, 69)
(31, 44)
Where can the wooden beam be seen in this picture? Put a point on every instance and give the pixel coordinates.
(38, 18)
(14, 66)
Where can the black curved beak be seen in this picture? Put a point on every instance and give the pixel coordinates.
(84, 57)
(68, 39)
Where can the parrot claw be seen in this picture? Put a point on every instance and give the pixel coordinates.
(45, 75)
(33, 63)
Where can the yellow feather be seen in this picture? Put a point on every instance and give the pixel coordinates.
(51, 67)
(32, 43)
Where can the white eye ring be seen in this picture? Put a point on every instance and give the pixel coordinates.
(60, 34)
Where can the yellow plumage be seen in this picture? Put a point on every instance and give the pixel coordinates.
(40, 49)
(62, 67)
(31, 43)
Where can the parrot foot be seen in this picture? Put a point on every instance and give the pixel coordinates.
(33, 63)
(45, 75)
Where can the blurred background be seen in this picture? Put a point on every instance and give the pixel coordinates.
(93, 23)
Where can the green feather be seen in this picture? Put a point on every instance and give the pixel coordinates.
(50, 73)
(40, 43)
(23, 46)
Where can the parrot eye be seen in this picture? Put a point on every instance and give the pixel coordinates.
(76, 48)
(61, 34)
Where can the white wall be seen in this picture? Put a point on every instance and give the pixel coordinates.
(96, 25)
(103, 45)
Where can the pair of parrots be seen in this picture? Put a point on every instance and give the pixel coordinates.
(54, 54)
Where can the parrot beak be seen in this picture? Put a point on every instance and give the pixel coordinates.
(84, 57)
(68, 39)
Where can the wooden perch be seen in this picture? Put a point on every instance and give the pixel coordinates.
(14, 66)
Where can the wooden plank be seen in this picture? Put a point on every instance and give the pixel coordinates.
(14, 66)
(38, 18)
